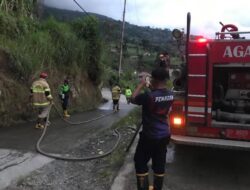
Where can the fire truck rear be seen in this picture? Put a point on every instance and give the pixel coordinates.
(212, 90)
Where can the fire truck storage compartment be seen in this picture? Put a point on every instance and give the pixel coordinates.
(231, 95)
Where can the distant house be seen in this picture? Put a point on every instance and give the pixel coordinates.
(134, 57)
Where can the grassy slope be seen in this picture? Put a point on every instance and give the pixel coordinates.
(28, 47)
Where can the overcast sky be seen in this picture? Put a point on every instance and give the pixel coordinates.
(205, 14)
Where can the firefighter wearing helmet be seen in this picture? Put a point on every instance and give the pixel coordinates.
(116, 93)
(41, 99)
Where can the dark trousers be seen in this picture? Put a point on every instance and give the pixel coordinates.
(154, 149)
(115, 104)
(65, 102)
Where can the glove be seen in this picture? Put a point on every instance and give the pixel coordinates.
(63, 96)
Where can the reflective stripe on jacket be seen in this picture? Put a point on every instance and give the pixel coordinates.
(128, 92)
(41, 94)
(116, 91)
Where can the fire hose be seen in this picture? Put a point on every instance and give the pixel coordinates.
(81, 122)
(133, 138)
(229, 28)
(62, 157)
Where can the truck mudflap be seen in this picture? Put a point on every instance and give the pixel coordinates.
(211, 142)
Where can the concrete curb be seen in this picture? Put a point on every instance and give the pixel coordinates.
(126, 170)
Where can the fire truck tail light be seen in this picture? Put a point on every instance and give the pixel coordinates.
(177, 121)
(202, 40)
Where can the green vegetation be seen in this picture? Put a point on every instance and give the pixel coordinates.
(18, 7)
(50, 44)
(63, 49)
(140, 48)
(70, 44)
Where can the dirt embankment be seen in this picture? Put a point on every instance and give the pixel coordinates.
(15, 90)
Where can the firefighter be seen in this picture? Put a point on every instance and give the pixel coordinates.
(164, 61)
(41, 99)
(155, 134)
(128, 94)
(116, 92)
(64, 96)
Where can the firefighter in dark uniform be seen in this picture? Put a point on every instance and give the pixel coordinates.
(155, 134)
(164, 61)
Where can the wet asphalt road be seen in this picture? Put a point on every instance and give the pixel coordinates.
(188, 167)
(203, 168)
(82, 140)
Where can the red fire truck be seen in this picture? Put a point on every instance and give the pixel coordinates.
(212, 95)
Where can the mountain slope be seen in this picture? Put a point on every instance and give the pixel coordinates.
(111, 29)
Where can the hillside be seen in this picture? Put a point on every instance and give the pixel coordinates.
(154, 38)
(140, 48)
(69, 45)
(29, 46)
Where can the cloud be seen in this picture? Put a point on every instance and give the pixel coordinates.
(206, 14)
(109, 8)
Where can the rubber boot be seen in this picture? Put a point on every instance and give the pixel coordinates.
(115, 109)
(158, 182)
(151, 187)
(142, 182)
(38, 124)
(65, 113)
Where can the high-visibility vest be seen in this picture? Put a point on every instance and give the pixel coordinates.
(64, 89)
(116, 91)
(38, 88)
(128, 92)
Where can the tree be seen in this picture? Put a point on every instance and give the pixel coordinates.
(87, 29)
(145, 44)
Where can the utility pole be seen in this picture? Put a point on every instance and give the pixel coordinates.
(121, 48)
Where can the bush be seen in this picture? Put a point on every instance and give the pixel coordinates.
(8, 26)
(87, 29)
(51, 44)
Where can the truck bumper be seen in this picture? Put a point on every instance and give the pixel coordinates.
(211, 142)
